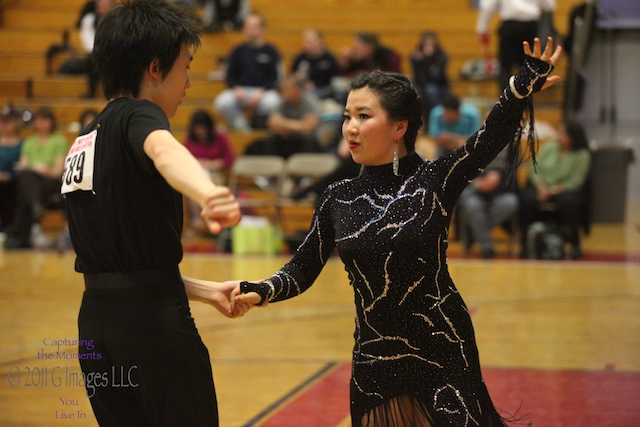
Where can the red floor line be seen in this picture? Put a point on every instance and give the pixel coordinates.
(550, 398)
(324, 404)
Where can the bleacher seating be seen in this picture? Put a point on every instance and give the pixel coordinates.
(31, 26)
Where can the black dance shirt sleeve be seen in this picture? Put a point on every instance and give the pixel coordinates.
(144, 118)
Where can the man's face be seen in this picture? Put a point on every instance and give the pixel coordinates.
(290, 92)
(253, 29)
(175, 84)
(450, 115)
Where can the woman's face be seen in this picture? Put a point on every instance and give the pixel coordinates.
(201, 132)
(8, 127)
(361, 49)
(42, 125)
(428, 46)
(564, 139)
(368, 131)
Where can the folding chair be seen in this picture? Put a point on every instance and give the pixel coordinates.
(256, 182)
(301, 169)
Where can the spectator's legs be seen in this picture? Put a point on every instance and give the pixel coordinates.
(527, 215)
(502, 207)
(7, 203)
(269, 103)
(32, 190)
(569, 205)
(231, 109)
(474, 208)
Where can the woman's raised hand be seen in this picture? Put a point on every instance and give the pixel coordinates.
(548, 55)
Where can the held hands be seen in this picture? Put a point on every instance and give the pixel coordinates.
(223, 301)
(250, 299)
(226, 297)
(216, 294)
(221, 209)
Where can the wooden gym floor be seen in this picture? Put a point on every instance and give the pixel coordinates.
(559, 341)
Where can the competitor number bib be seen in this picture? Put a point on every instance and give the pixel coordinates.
(78, 166)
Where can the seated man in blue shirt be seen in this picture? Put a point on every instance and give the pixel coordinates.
(253, 75)
(452, 122)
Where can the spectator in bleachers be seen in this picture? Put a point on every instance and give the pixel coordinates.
(316, 64)
(253, 73)
(488, 202)
(224, 14)
(10, 146)
(561, 173)
(452, 122)
(292, 126)
(365, 55)
(88, 23)
(213, 151)
(87, 117)
(209, 145)
(39, 172)
(519, 22)
(429, 66)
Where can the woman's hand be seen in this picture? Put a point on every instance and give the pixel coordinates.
(549, 55)
(247, 301)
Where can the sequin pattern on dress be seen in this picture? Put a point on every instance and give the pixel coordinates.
(413, 333)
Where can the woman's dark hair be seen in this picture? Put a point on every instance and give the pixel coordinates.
(451, 102)
(47, 113)
(202, 118)
(134, 34)
(577, 134)
(398, 97)
(369, 38)
(429, 35)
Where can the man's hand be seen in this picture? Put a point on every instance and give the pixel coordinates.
(216, 294)
(249, 299)
(221, 209)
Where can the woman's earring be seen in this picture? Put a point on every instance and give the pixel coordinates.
(396, 161)
(361, 170)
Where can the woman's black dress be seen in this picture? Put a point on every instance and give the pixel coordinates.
(415, 356)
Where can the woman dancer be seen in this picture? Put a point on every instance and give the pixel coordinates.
(415, 360)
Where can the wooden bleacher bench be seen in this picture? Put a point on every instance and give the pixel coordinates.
(30, 27)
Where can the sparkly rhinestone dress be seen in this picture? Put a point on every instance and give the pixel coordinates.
(415, 350)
